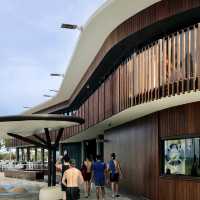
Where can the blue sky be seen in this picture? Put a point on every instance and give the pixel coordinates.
(32, 45)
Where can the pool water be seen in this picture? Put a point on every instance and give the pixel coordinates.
(25, 192)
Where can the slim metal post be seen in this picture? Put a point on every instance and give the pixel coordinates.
(17, 154)
(49, 166)
(42, 155)
(36, 154)
(23, 156)
(54, 167)
(28, 153)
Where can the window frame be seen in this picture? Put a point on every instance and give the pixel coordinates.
(162, 155)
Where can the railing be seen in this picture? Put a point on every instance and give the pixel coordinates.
(10, 165)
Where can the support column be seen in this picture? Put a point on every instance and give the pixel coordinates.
(100, 145)
(28, 153)
(42, 157)
(48, 139)
(35, 154)
(17, 154)
(97, 147)
(82, 152)
(54, 167)
(22, 154)
(60, 149)
(49, 166)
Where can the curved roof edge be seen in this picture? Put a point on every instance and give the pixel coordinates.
(26, 125)
(94, 33)
(133, 113)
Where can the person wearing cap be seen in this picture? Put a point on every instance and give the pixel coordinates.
(115, 174)
(72, 179)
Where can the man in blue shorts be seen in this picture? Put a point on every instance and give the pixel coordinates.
(99, 172)
(115, 174)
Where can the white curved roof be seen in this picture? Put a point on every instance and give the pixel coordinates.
(26, 125)
(111, 14)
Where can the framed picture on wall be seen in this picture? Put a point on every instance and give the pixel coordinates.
(181, 156)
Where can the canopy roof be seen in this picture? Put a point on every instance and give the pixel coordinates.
(26, 125)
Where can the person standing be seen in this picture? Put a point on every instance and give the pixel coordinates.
(86, 170)
(99, 173)
(72, 179)
(115, 174)
(63, 166)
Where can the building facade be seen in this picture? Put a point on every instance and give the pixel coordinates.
(140, 97)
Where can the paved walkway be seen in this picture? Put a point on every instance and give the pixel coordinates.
(107, 197)
(38, 185)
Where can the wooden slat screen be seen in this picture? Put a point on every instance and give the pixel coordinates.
(168, 66)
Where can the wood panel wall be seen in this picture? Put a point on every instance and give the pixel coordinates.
(181, 121)
(140, 156)
(166, 67)
(136, 145)
(159, 11)
(177, 189)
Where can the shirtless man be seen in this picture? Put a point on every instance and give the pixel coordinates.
(115, 174)
(72, 179)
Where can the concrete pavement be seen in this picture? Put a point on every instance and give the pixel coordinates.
(107, 197)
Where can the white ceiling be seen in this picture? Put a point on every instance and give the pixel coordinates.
(28, 126)
(135, 112)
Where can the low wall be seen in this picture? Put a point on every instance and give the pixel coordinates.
(28, 175)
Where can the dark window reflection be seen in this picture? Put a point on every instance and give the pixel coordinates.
(182, 157)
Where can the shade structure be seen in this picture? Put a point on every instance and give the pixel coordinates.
(26, 125)
(22, 126)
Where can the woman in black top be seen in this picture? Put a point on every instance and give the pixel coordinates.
(63, 167)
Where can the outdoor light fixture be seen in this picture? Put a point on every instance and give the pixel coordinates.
(53, 90)
(56, 74)
(72, 26)
(47, 95)
(27, 107)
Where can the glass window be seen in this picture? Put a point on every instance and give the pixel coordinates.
(45, 155)
(32, 154)
(181, 156)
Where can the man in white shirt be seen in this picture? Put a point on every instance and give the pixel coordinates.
(72, 179)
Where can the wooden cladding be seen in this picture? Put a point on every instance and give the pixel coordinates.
(139, 158)
(179, 121)
(179, 189)
(141, 165)
(145, 18)
(166, 67)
